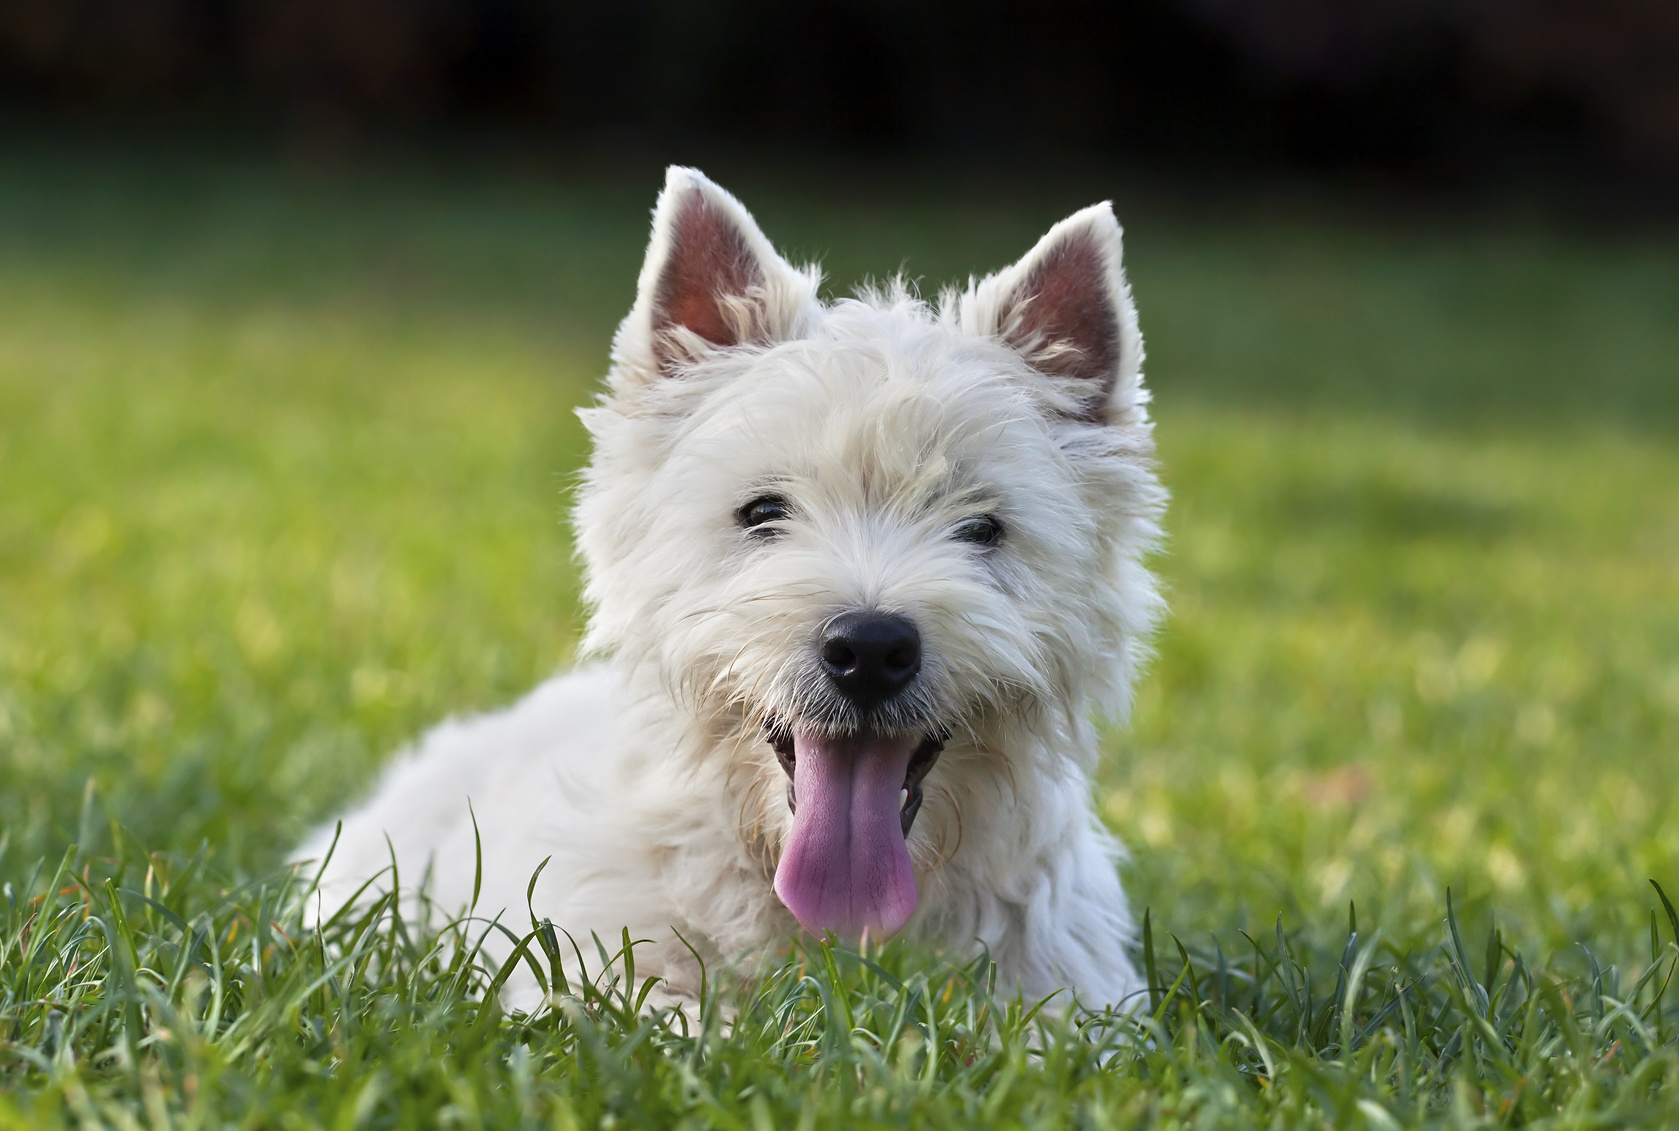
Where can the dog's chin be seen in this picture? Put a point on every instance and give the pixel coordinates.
(845, 866)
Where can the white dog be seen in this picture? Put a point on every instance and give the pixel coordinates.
(860, 573)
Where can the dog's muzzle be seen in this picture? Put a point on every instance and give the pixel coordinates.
(855, 759)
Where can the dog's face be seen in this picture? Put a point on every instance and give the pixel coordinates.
(886, 555)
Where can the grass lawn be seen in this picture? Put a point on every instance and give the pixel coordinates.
(283, 460)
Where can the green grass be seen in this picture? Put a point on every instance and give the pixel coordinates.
(283, 460)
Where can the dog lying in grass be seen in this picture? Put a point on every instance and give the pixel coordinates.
(861, 573)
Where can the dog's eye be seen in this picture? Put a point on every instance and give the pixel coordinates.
(757, 515)
(983, 530)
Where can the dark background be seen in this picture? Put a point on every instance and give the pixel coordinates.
(1448, 92)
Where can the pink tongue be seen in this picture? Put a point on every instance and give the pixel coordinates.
(845, 867)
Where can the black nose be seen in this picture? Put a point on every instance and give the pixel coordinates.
(871, 656)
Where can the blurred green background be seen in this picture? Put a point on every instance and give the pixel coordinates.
(285, 454)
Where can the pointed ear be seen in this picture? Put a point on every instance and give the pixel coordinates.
(710, 279)
(1065, 307)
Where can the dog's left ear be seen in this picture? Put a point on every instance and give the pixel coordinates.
(1065, 307)
(710, 280)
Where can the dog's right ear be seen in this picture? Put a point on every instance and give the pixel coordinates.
(711, 280)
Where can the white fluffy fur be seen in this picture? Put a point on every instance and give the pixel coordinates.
(887, 420)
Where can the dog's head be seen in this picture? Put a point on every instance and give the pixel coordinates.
(855, 541)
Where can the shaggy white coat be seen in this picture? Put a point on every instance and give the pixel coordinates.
(885, 420)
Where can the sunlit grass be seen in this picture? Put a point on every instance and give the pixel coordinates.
(283, 466)
(139, 989)
(1400, 661)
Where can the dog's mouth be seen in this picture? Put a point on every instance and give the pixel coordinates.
(782, 741)
(846, 867)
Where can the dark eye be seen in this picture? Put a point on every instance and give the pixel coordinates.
(756, 517)
(983, 530)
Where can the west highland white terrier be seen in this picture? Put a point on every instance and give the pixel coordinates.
(861, 574)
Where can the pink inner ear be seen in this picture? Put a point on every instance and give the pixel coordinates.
(709, 260)
(1067, 302)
